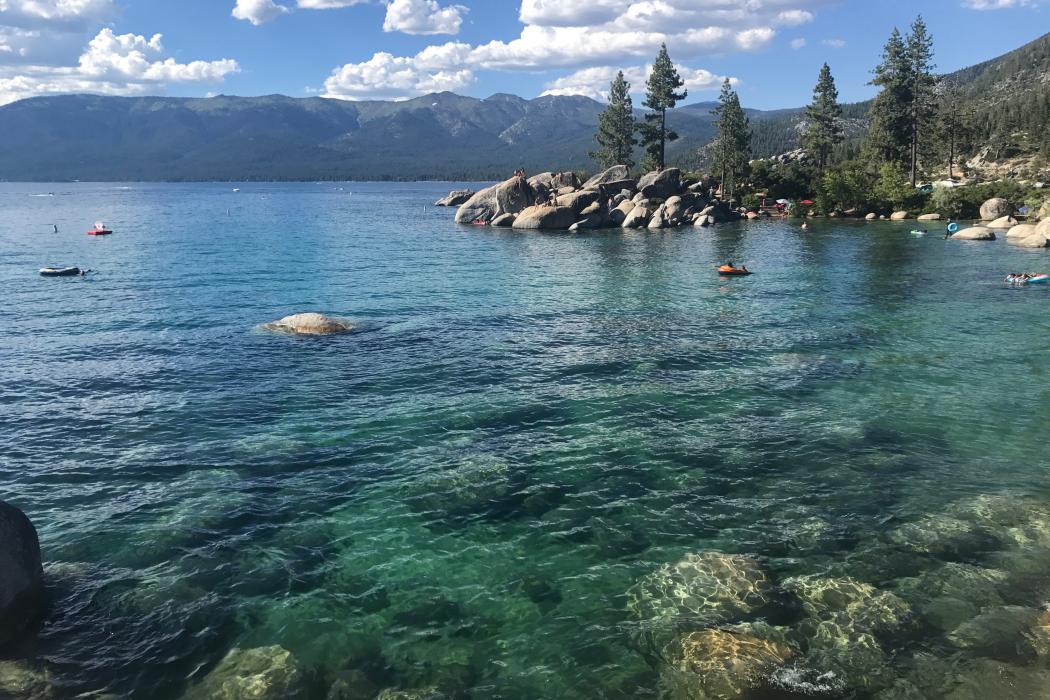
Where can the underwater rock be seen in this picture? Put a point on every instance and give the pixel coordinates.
(263, 673)
(21, 681)
(21, 574)
(972, 584)
(945, 537)
(467, 489)
(716, 663)
(839, 649)
(712, 587)
(352, 684)
(432, 693)
(310, 324)
(1009, 633)
(850, 603)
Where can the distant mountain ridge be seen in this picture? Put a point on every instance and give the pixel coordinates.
(441, 136)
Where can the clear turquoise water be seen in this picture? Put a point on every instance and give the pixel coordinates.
(463, 492)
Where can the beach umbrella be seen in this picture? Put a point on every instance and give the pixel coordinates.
(783, 201)
(807, 202)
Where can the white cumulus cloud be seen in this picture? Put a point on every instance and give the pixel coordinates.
(798, 43)
(65, 14)
(996, 4)
(594, 82)
(258, 11)
(328, 4)
(390, 77)
(116, 64)
(423, 17)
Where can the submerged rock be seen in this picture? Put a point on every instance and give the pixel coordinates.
(263, 673)
(719, 664)
(20, 681)
(711, 587)
(21, 574)
(311, 324)
(432, 693)
(849, 603)
(469, 488)
(1007, 633)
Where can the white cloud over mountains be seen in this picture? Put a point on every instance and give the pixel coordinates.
(47, 47)
(594, 82)
(996, 4)
(581, 35)
(405, 16)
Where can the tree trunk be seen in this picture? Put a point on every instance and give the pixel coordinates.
(663, 135)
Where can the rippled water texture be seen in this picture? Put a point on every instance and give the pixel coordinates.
(546, 466)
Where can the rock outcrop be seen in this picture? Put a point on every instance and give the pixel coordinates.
(638, 218)
(578, 201)
(974, 233)
(311, 324)
(929, 217)
(21, 574)
(898, 216)
(455, 198)
(545, 217)
(264, 673)
(617, 174)
(503, 221)
(660, 184)
(717, 663)
(508, 197)
(1021, 231)
(1003, 222)
(871, 217)
(995, 208)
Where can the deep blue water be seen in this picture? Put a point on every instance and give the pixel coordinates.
(465, 492)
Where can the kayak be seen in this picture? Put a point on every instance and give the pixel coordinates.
(918, 233)
(99, 232)
(733, 273)
(60, 272)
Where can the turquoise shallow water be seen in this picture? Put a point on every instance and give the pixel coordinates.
(486, 488)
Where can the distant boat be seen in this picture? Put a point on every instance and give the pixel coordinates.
(236, 189)
(99, 230)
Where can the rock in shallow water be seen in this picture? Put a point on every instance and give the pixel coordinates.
(311, 324)
(719, 664)
(19, 681)
(264, 673)
(711, 587)
(21, 574)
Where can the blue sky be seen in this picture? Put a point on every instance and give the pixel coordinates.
(392, 49)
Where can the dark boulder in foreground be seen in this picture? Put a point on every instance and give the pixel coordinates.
(455, 198)
(21, 574)
(661, 184)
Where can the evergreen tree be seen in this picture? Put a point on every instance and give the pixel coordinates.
(824, 131)
(923, 105)
(660, 96)
(616, 127)
(733, 137)
(890, 128)
(956, 126)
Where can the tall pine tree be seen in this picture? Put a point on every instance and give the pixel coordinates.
(733, 138)
(956, 126)
(824, 130)
(616, 127)
(890, 132)
(923, 91)
(660, 96)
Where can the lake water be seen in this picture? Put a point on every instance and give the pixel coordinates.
(543, 461)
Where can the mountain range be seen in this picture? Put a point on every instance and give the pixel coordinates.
(439, 136)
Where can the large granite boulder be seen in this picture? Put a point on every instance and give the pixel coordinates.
(565, 179)
(617, 174)
(311, 324)
(21, 574)
(660, 184)
(1021, 231)
(593, 221)
(1036, 240)
(626, 206)
(898, 216)
(578, 201)
(545, 217)
(928, 217)
(455, 198)
(1003, 222)
(995, 208)
(503, 221)
(638, 218)
(974, 233)
(871, 216)
(264, 673)
(508, 197)
(1043, 227)
(716, 663)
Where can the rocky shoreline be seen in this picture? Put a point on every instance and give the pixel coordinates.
(611, 199)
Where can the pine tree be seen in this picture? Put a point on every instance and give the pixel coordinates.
(922, 109)
(890, 132)
(616, 127)
(956, 126)
(825, 118)
(733, 140)
(660, 96)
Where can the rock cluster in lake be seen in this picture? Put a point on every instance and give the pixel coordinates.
(310, 324)
(610, 199)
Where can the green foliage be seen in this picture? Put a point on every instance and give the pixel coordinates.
(848, 186)
(892, 188)
(965, 202)
(955, 128)
(660, 95)
(751, 202)
(732, 147)
(616, 127)
(824, 130)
